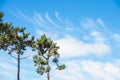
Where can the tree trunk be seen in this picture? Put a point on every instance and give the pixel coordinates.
(18, 72)
(48, 75)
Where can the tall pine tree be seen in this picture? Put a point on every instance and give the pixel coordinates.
(20, 41)
(14, 39)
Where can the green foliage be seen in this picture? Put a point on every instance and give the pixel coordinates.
(61, 67)
(13, 38)
(19, 40)
(40, 70)
(39, 60)
(48, 68)
(5, 36)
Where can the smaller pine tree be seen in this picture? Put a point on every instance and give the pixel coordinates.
(46, 49)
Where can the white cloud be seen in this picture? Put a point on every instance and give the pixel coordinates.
(71, 47)
(116, 37)
(7, 66)
(72, 72)
(57, 16)
(101, 23)
(92, 24)
(7, 70)
(40, 18)
(22, 16)
(88, 23)
(51, 21)
(101, 71)
(48, 34)
(89, 70)
(98, 37)
(86, 37)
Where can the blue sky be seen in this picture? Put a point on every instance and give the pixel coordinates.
(87, 32)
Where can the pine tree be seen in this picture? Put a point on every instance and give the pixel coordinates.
(46, 49)
(14, 39)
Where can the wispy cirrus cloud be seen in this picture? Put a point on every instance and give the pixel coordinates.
(101, 23)
(51, 21)
(58, 17)
(94, 24)
(88, 23)
(39, 17)
(47, 23)
(39, 21)
(90, 30)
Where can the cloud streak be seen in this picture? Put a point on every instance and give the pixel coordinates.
(57, 16)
